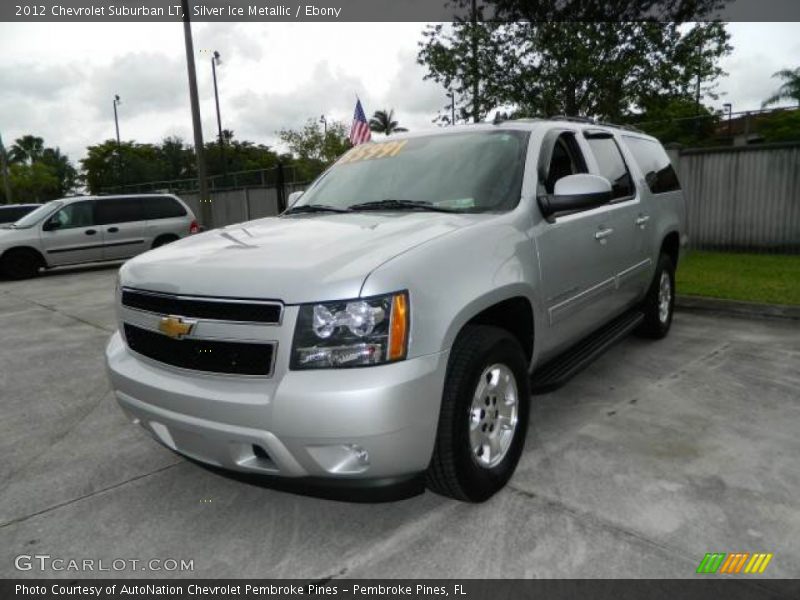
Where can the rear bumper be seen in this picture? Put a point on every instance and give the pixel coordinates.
(366, 423)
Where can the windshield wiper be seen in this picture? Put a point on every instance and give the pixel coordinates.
(314, 208)
(392, 204)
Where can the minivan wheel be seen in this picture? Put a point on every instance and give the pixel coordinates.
(164, 240)
(20, 263)
(659, 303)
(484, 415)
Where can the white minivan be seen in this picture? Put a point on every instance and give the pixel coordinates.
(86, 229)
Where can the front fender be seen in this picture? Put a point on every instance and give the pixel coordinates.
(453, 278)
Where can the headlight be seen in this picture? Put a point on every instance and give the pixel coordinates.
(352, 333)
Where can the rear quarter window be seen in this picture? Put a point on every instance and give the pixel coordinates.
(162, 207)
(654, 163)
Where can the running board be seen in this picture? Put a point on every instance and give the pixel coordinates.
(563, 367)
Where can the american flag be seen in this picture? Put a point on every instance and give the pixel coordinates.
(359, 131)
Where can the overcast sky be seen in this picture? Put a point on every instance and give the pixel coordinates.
(58, 80)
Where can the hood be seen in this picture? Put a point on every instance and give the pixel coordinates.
(297, 259)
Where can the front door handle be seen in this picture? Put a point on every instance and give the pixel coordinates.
(603, 233)
(90, 231)
(113, 229)
(642, 221)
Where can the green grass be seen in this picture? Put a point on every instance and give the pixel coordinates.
(771, 279)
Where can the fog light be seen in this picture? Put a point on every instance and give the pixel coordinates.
(341, 459)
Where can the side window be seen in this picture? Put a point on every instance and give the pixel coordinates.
(119, 210)
(612, 165)
(566, 159)
(162, 207)
(655, 165)
(78, 214)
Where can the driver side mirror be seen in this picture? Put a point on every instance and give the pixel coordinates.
(576, 192)
(51, 225)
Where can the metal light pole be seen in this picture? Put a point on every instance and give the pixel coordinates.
(215, 61)
(117, 102)
(728, 107)
(206, 212)
(476, 111)
(4, 170)
(452, 96)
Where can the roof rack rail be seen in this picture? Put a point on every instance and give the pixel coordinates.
(617, 126)
(573, 119)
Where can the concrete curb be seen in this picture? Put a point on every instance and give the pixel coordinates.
(753, 310)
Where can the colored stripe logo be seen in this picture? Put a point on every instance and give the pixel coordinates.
(734, 563)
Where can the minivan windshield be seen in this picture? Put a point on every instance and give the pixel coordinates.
(34, 217)
(474, 171)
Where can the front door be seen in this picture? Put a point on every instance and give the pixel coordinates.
(575, 254)
(72, 236)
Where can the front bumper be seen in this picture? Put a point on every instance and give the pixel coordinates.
(368, 423)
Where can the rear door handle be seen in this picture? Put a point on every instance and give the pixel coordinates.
(90, 231)
(603, 233)
(642, 221)
(113, 229)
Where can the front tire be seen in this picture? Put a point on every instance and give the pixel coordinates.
(483, 420)
(20, 263)
(659, 304)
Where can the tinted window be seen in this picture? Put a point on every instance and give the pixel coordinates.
(9, 214)
(655, 164)
(162, 207)
(78, 214)
(566, 159)
(612, 166)
(119, 210)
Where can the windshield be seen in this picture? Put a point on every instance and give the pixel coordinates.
(34, 217)
(475, 171)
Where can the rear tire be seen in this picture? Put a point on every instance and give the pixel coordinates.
(659, 304)
(483, 420)
(163, 240)
(20, 263)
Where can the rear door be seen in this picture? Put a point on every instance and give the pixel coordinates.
(72, 235)
(574, 256)
(122, 221)
(625, 243)
(166, 218)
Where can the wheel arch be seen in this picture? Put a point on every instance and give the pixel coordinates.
(510, 309)
(31, 249)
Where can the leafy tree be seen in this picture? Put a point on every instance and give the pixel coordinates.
(313, 149)
(550, 58)
(33, 183)
(383, 122)
(38, 173)
(27, 149)
(790, 90)
(780, 126)
(62, 168)
(678, 121)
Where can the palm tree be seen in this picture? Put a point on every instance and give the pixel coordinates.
(27, 149)
(383, 122)
(789, 90)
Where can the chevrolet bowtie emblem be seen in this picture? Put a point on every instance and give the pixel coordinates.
(175, 327)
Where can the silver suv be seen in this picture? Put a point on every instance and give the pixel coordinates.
(391, 325)
(91, 228)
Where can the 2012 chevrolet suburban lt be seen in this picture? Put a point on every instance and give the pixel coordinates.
(392, 323)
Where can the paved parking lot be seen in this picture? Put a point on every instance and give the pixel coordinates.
(655, 455)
